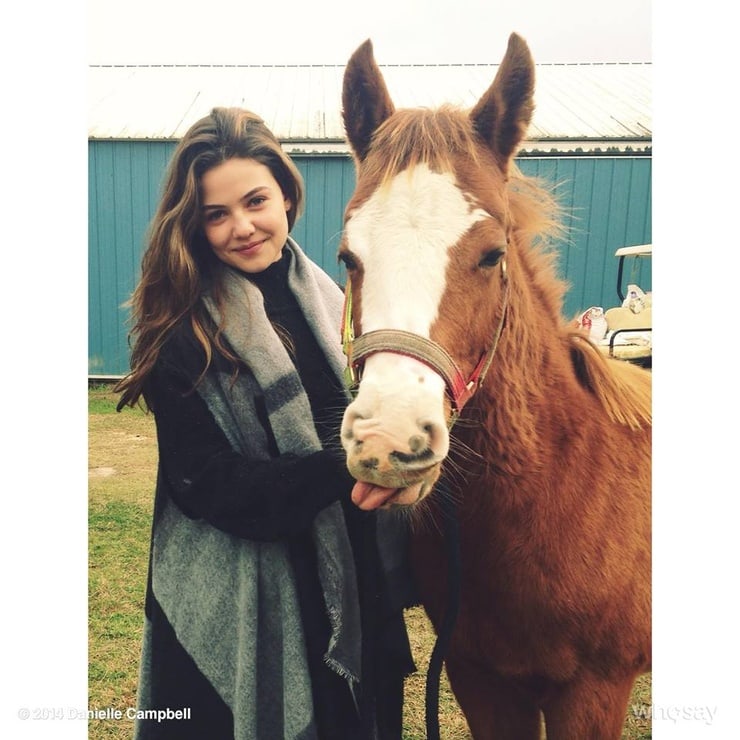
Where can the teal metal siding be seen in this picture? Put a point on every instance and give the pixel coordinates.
(124, 185)
(606, 203)
(329, 181)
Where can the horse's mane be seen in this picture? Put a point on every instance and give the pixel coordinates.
(436, 137)
(623, 389)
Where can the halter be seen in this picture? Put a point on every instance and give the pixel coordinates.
(424, 350)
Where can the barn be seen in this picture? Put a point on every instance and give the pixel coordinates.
(591, 138)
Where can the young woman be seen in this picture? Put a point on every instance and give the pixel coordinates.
(274, 607)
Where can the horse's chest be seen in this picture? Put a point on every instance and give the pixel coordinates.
(512, 613)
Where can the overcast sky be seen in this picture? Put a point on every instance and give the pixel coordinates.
(402, 31)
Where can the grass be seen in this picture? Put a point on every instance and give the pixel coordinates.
(122, 460)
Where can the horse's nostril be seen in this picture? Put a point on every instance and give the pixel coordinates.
(370, 463)
(434, 435)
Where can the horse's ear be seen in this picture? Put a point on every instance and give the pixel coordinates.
(502, 115)
(365, 99)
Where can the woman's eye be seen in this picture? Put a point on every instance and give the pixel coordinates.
(492, 257)
(257, 200)
(213, 216)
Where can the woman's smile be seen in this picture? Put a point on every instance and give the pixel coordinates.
(248, 248)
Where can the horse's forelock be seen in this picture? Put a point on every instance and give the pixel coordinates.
(421, 136)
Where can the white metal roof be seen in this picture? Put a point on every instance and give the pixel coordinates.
(577, 105)
(639, 250)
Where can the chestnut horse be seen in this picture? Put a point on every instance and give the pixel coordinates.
(549, 462)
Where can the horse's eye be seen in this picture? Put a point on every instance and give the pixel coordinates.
(492, 257)
(348, 260)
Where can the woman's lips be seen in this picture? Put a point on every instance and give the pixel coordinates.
(247, 248)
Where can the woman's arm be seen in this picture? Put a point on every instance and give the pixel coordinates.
(255, 499)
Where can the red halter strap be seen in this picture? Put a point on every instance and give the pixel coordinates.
(420, 348)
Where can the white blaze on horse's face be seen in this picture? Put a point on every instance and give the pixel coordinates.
(395, 431)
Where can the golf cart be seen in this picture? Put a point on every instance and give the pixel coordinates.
(626, 331)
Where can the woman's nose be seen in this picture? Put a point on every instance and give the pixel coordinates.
(243, 225)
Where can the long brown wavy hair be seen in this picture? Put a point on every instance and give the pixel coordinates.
(178, 263)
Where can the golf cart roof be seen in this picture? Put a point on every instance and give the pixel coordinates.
(636, 251)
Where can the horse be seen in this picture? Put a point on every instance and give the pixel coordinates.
(469, 376)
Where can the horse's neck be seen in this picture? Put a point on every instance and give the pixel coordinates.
(527, 400)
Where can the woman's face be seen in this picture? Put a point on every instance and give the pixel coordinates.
(244, 214)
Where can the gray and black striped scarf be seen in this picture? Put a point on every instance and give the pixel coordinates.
(233, 602)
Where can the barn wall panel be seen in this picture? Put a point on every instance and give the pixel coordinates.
(606, 203)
